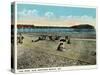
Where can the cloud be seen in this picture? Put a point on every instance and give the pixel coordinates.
(28, 14)
(77, 18)
(33, 12)
(22, 13)
(74, 20)
(49, 15)
(85, 17)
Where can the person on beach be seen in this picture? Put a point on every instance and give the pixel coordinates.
(20, 38)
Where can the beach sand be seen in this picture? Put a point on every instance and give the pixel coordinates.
(44, 53)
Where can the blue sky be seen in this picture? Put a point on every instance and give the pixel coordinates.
(59, 11)
(33, 11)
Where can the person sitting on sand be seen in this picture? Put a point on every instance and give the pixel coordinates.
(61, 47)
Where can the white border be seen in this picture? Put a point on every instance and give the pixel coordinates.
(15, 36)
(51, 68)
(54, 4)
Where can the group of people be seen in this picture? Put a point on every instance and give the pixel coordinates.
(44, 37)
(61, 46)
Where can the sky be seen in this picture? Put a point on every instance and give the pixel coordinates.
(55, 15)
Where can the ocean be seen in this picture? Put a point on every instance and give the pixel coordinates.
(85, 33)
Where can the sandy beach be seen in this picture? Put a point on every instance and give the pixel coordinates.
(44, 53)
